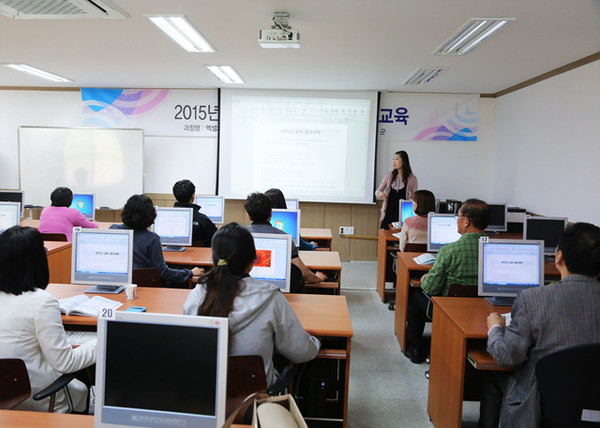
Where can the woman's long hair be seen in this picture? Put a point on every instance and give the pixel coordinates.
(406, 169)
(232, 252)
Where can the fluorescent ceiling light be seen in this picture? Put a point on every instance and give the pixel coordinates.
(37, 72)
(424, 75)
(225, 73)
(181, 31)
(473, 32)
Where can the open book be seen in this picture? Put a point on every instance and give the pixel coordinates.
(425, 259)
(83, 305)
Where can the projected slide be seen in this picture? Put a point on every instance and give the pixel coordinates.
(315, 146)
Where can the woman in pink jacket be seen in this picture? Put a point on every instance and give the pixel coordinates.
(59, 218)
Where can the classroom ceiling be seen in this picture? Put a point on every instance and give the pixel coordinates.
(346, 44)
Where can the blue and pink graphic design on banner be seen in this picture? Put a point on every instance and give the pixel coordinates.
(431, 117)
(157, 111)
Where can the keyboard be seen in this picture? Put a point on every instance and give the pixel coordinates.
(80, 337)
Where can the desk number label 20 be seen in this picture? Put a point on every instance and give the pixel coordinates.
(107, 313)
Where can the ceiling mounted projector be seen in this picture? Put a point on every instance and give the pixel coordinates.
(280, 35)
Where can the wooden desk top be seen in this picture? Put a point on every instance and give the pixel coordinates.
(315, 233)
(35, 223)
(321, 260)
(192, 256)
(320, 315)
(56, 246)
(21, 419)
(469, 314)
(407, 259)
(387, 235)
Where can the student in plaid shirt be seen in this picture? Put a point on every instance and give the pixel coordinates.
(456, 263)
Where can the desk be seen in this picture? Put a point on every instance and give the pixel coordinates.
(27, 222)
(191, 257)
(327, 262)
(59, 260)
(408, 269)
(21, 419)
(456, 321)
(321, 236)
(386, 242)
(326, 317)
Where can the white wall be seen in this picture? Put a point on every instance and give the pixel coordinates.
(547, 148)
(450, 169)
(31, 108)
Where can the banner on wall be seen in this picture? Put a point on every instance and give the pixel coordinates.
(430, 117)
(161, 112)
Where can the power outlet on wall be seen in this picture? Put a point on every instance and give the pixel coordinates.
(346, 230)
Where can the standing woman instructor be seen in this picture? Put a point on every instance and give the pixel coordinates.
(400, 183)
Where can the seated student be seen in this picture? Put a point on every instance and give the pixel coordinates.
(202, 228)
(544, 320)
(59, 218)
(260, 318)
(414, 229)
(258, 208)
(30, 324)
(278, 202)
(138, 214)
(456, 263)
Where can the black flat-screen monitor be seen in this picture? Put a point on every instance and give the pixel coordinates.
(498, 214)
(507, 266)
(12, 196)
(547, 229)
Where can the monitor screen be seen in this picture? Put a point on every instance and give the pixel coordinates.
(12, 196)
(213, 207)
(497, 218)
(157, 370)
(507, 266)
(174, 226)
(547, 229)
(102, 257)
(288, 221)
(84, 202)
(441, 230)
(406, 210)
(292, 204)
(273, 259)
(10, 215)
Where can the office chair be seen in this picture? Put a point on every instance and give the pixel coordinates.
(15, 386)
(60, 237)
(568, 383)
(246, 376)
(147, 277)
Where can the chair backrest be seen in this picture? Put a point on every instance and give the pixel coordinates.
(54, 237)
(415, 248)
(569, 386)
(14, 383)
(245, 375)
(459, 290)
(147, 277)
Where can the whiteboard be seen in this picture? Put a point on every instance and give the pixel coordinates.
(106, 162)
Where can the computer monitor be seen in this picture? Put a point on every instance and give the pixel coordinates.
(12, 196)
(507, 266)
(288, 221)
(449, 206)
(84, 202)
(158, 370)
(441, 230)
(102, 257)
(292, 204)
(273, 259)
(10, 215)
(498, 216)
(213, 207)
(174, 227)
(546, 228)
(405, 208)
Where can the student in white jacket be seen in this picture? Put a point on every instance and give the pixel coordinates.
(30, 325)
(260, 318)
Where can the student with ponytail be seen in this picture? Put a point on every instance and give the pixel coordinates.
(260, 318)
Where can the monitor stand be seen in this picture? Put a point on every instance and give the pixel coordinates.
(105, 289)
(176, 248)
(500, 301)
